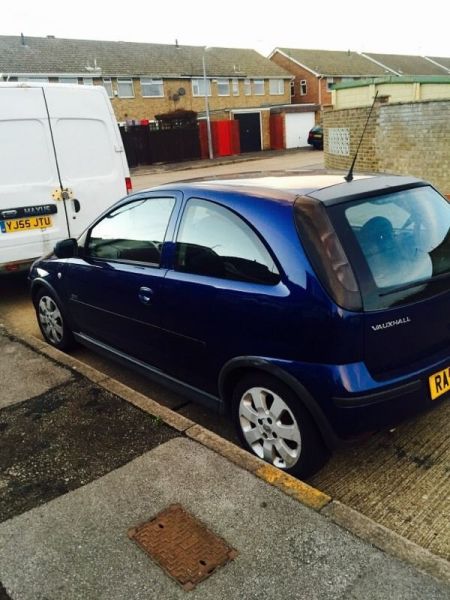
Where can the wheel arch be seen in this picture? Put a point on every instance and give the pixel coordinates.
(238, 367)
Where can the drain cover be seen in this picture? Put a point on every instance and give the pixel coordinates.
(182, 546)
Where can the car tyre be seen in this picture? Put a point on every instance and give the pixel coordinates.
(272, 422)
(51, 321)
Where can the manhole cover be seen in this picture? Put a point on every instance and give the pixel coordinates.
(182, 546)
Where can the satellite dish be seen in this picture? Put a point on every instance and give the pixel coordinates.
(181, 91)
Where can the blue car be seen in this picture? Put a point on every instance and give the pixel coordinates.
(311, 309)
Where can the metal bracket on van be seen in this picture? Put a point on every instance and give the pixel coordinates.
(62, 194)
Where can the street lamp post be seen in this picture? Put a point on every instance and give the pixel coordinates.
(208, 120)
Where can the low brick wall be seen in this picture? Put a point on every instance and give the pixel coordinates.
(402, 138)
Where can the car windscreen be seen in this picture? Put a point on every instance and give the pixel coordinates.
(398, 244)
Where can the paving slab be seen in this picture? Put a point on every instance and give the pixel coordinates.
(76, 546)
(25, 374)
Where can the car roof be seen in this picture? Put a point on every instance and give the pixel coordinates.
(329, 189)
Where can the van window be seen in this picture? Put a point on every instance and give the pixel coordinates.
(84, 148)
(25, 156)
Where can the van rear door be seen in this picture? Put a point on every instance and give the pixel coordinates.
(89, 150)
(31, 219)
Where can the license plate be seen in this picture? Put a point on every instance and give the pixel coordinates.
(439, 383)
(16, 225)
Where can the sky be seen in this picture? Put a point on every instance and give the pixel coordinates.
(382, 26)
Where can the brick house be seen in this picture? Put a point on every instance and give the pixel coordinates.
(316, 71)
(144, 80)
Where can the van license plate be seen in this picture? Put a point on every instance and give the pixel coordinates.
(15, 225)
(439, 383)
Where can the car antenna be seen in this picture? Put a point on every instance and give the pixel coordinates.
(349, 176)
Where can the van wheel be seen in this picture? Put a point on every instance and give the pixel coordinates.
(51, 321)
(272, 422)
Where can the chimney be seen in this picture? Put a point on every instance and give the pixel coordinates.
(22, 39)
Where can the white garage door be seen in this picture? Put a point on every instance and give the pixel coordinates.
(297, 128)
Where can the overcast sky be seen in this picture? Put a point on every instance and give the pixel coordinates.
(390, 26)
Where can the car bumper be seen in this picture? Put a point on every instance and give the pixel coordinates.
(354, 403)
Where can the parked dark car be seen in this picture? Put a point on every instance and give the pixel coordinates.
(312, 309)
(315, 137)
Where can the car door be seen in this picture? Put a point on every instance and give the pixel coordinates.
(221, 297)
(114, 288)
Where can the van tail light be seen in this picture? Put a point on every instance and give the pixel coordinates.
(324, 249)
(128, 184)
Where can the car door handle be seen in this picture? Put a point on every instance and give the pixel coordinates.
(145, 295)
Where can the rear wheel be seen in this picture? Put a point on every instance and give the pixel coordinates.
(273, 423)
(51, 321)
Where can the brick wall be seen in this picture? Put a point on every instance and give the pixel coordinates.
(403, 138)
(299, 73)
(146, 108)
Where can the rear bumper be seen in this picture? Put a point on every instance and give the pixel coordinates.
(354, 403)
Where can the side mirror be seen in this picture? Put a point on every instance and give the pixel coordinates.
(66, 248)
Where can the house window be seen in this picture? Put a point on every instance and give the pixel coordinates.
(107, 84)
(276, 87)
(152, 88)
(258, 87)
(68, 79)
(223, 87)
(330, 81)
(125, 87)
(303, 87)
(247, 87)
(292, 88)
(198, 87)
(34, 79)
(88, 81)
(235, 83)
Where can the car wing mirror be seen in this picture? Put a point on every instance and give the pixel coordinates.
(66, 248)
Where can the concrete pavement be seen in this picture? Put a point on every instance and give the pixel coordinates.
(71, 542)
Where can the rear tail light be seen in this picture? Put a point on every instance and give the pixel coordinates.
(128, 184)
(326, 253)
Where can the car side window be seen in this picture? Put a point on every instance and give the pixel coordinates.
(214, 241)
(133, 232)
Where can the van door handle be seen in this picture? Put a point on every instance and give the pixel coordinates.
(145, 295)
(76, 205)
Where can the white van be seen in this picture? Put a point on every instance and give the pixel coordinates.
(62, 163)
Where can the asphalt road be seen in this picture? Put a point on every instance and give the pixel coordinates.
(399, 478)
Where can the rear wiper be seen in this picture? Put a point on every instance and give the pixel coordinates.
(413, 284)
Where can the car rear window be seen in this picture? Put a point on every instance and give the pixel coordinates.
(399, 245)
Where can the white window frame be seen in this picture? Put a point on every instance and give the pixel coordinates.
(276, 87)
(149, 81)
(222, 82)
(330, 81)
(303, 87)
(198, 88)
(126, 81)
(247, 87)
(256, 83)
(73, 80)
(107, 84)
(235, 86)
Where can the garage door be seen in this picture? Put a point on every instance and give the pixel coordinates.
(297, 128)
(249, 131)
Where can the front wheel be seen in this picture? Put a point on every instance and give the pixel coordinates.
(51, 321)
(273, 423)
